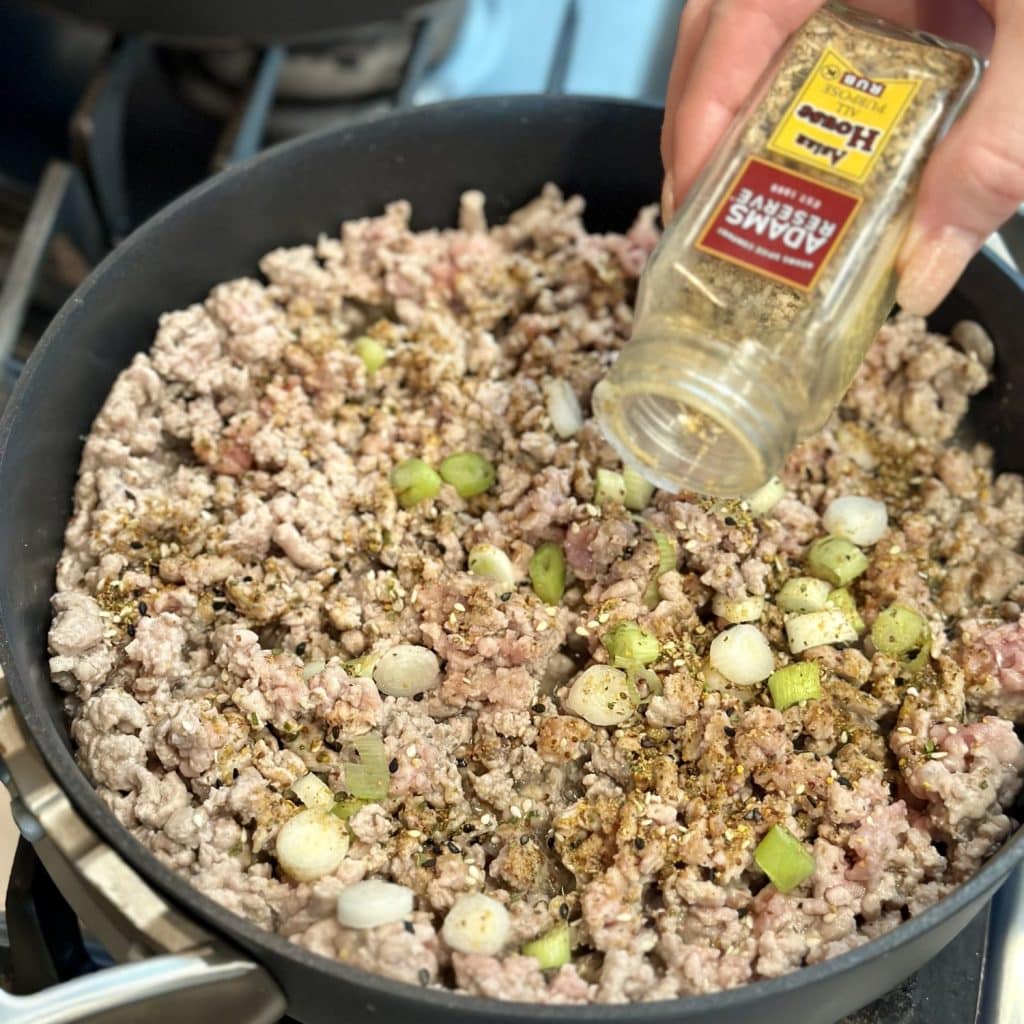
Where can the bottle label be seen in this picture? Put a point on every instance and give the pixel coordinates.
(841, 120)
(779, 223)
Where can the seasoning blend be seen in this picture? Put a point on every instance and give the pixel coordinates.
(774, 277)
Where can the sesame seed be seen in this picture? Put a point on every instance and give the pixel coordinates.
(952, 730)
(414, 833)
(515, 811)
(800, 789)
(593, 624)
(624, 918)
(581, 631)
(527, 804)
(474, 873)
(459, 606)
(603, 618)
(938, 755)
(912, 691)
(542, 626)
(410, 751)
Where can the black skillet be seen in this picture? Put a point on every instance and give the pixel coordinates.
(608, 152)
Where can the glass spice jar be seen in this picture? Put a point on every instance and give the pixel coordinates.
(768, 286)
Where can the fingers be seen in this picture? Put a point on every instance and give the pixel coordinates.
(692, 25)
(974, 180)
(738, 42)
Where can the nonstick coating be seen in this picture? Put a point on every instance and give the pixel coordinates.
(608, 152)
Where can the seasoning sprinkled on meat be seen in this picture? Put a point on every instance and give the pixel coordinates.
(355, 592)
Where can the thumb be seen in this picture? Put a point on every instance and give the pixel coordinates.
(973, 182)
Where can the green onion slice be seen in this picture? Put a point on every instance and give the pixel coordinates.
(347, 806)
(369, 779)
(793, 683)
(803, 594)
(666, 563)
(638, 490)
(782, 857)
(552, 949)
(842, 600)
(836, 560)
(469, 473)
(903, 633)
(373, 354)
(492, 563)
(609, 487)
(547, 572)
(628, 644)
(414, 481)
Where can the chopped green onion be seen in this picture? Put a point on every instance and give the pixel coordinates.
(813, 629)
(406, 670)
(609, 487)
(766, 497)
(842, 600)
(492, 563)
(373, 354)
(782, 857)
(862, 521)
(628, 644)
(369, 779)
(414, 481)
(903, 633)
(666, 563)
(547, 572)
(361, 667)
(836, 560)
(344, 809)
(733, 610)
(469, 473)
(793, 683)
(742, 654)
(313, 792)
(371, 903)
(651, 678)
(803, 594)
(602, 695)
(310, 845)
(552, 949)
(639, 490)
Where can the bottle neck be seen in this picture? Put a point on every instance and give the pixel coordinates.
(692, 412)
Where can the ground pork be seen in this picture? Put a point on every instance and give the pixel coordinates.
(239, 563)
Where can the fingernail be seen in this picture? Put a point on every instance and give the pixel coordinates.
(668, 199)
(934, 262)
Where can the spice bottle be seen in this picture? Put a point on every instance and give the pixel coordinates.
(770, 283)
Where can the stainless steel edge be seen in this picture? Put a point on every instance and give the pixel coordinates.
(1002, 999)
(189, 975)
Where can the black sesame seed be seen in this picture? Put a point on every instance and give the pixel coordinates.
(754, 814)
(424, 976)
(409, 927)
(647, 743)
(460, 762)
(639, 843)
(467, 828)
(729, 521)
(135, 545)
(538, 709)
(229, 607)
(393, 766)
(219, 606)
(432, 845)
(130, 630)
(418, 696)
(143, 607)
(628, 552)
(524, 840)
(429, 862)
(729, 731)
(507, 596)
(551, 842)
(129, 495)
(300, 649)
(844, 782)
(453, 847)
(679, 865)
(247, 579)
(563, 911)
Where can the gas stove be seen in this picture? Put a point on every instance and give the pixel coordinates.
(99, 131)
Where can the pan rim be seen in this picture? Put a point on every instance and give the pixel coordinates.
(180, 893)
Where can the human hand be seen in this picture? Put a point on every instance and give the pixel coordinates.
(975, 178)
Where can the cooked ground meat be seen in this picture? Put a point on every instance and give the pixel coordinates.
(237, 562)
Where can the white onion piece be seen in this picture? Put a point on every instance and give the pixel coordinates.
(861, 521)
(563, 407)
(477, 924)
(602, 695)
(313, 668)
(766, 497)
(492, 563)
(311, 845)
(313, 792)
(406, 670)
(803, 594)
(372, 902)
(813, 629)
(744, 609)
(742, 654)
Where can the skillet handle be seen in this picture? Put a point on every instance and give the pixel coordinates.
(201, 987)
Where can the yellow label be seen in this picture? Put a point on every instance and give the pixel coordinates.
(841, 120)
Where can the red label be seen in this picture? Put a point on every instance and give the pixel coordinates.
(781, 224)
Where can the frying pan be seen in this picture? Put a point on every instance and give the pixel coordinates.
(606, 151)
